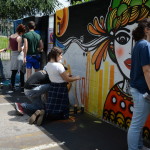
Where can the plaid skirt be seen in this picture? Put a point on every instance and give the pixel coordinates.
(58, 100)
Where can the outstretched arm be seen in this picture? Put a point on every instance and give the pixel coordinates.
(68, 78)
(8, 47)
(2, 50)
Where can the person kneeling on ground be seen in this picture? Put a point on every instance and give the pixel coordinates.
(37, 84)
(58, 100)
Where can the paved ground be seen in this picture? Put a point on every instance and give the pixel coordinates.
(83, 133)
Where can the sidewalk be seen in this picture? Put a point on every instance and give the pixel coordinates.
(84, 133)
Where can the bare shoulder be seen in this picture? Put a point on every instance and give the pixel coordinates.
(12, 36)
(19, 38)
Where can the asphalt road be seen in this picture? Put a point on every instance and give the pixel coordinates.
(82, 132)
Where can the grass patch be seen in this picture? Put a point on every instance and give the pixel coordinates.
(3, 42)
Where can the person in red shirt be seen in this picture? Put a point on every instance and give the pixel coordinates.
(15, 45)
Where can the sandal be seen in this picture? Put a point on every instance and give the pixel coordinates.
(33, 118)
(40, 118)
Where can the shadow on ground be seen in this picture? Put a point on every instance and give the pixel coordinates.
(82, 132)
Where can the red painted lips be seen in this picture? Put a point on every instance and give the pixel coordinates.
(127, 63)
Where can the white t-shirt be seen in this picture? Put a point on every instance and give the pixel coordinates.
(54, 70)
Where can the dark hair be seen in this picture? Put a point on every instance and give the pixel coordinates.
(138, 33)
(54, 53)
(21, 28)
(31, 25)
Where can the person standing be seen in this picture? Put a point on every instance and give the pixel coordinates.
(58, 100)
(15, 45)
(32, 46)
(140, 83)
(2, 76)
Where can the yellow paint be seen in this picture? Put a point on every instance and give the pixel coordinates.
(93, 90)
(111, 82)
(105, 81)
(99, 84)
(90, 105)
(87, 80)
(61, 23)
(100, 107)
(29, 135)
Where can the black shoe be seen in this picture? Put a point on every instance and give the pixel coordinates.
(22, 90)
(12, 89)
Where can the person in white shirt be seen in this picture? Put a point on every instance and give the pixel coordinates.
(58, 100)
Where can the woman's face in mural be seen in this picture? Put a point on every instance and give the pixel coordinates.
(123, 44)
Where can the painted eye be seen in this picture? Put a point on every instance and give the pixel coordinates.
(131, 108)
(122, 38)
(114, 101)
(122, 104)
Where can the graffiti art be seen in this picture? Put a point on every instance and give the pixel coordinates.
(97, 44)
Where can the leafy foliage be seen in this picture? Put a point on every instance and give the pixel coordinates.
(79, 2)
(15, 9)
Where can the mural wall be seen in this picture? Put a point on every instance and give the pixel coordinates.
(97, 42)
(50, 33)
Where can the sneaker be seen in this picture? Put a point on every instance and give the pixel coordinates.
(12, 90)
(33, 118)
(19, 109)
(40, 118)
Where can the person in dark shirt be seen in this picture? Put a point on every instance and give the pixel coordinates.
(33, 44)
(140, 84)
(37, 84)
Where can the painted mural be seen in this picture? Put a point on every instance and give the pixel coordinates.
(97, 45)
(50, 39)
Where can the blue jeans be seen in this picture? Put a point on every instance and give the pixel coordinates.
(141, 111)
(34, 95)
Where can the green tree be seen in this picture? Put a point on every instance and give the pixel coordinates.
(15, 9)
(79, 2)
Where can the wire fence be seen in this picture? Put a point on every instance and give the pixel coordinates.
(6, 29)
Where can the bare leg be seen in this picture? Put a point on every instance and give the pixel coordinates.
(37, 70)
(29, 72)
